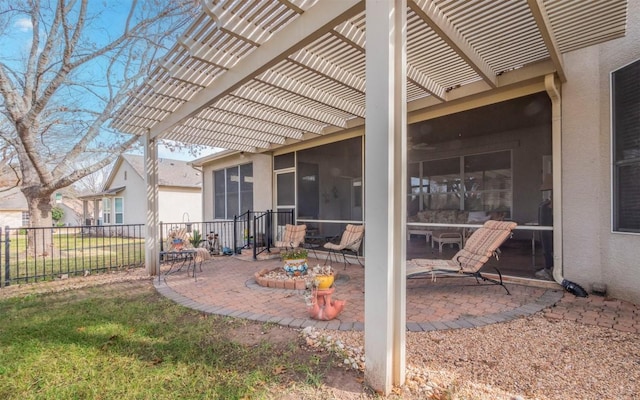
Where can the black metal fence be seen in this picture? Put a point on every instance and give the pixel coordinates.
(256, 230)
(38, 254)
(30, 255)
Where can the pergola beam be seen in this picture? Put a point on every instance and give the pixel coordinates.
(427, 84)
(429, 12)
(318, 20)
(541, 17)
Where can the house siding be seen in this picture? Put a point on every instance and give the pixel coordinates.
(12, 219)
(592, 252)
(178, 205)
(133, 195)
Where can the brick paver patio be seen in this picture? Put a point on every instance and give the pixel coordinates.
(226, 286)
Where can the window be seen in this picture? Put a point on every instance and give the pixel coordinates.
(479, 182)
(625, 84)
(233, 191)
(106, 211)
(25, 218)
(119, 205)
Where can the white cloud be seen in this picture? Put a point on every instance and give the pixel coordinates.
(23, 24)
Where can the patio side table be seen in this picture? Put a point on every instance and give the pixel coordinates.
(180, 258)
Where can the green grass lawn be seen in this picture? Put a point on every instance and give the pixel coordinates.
(124, 341)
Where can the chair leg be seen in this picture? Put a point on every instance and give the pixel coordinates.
(330, 256)
(344, 257)
(358, 259)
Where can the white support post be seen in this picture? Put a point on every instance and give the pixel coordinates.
(152, 239)
(385, 194)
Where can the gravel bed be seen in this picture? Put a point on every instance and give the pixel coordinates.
(528, 358)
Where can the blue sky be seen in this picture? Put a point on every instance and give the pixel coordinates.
(15, 45)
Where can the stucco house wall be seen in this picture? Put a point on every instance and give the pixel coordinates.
(592, 252)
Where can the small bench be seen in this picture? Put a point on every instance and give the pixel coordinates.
(446, 237)
(417, 231)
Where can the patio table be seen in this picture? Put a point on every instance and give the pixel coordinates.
(180, 257)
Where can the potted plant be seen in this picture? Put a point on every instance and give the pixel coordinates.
(295, 261)
(196, 238)
(322, 276)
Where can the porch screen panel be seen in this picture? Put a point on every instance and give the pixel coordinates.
(285, 188)
(488, 182)
(284, 161)
(442, 184)
(626, 139)
(219, 194)
(233, 192)
(332, 183)
(246, 187)
(414, 187)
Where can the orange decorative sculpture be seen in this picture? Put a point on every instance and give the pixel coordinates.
(322, 307)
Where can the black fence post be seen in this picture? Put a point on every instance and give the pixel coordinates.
(247, 225)
(7, 257)
(269, 231)
(235, 234)
(161, 237)
(255, 238)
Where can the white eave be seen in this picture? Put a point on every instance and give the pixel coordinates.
(255, 75)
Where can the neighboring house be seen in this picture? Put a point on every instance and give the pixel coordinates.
(123, 197)
(14, 211)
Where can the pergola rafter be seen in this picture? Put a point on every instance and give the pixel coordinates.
(294, 69)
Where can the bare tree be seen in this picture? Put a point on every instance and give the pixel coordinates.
(61, 85)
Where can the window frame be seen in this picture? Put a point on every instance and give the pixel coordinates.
(25, 218)
(116, 212)
(420, 189)
(616, 164)
(106, 211)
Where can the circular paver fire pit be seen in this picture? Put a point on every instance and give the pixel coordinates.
(279, 279)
